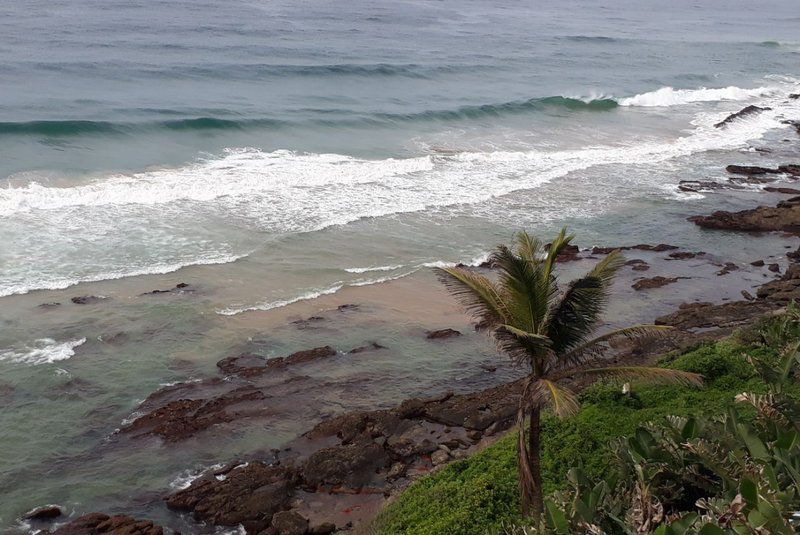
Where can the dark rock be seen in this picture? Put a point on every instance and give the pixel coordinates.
(660, 248)
(50, 305)
(249, 495)
(744, 112)
(785, 191)
(699, 186)
(183, 418)
(794, 96)
(790, 169)
(179, 288)
(757, 263)
(372, 346)
(747, 295)
(351, 465)
(396, 471)
(775, 268)
(87, 299)
(794, 256)
(47, 512)
(685, 255)
(488, 368)
(442, 333)
(567, 254)
(654, 282)
(290, 523)
(750, 170)
(347, 306)
(727, 268)
(787, 288)
(248, 364)
(707, 315)
(98, 523)
(784, 217)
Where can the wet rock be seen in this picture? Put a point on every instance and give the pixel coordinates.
(48, 512)
(794, 96)
(785, 191)
(372, 346)
(700, 186)
(750, 170)
(744, 112)
(309, 322)
(249, 495)
(654, 282)
(87, 299)
(660, 248)
(50, 305)
(98, 523)
(180, 419)
(289, 523)
(685, 255)
(747, 295)
(248, 364)
(179, 288)
(347, 306)
(351, 465)
(775, 268)
(790, 169)
(784, 217)
(794, 123)
(787, 288)
(728, 267)
(794, 256)
(757, 263)
(488, 368)
(442, 334)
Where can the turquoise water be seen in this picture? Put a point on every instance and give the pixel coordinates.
(271, 152)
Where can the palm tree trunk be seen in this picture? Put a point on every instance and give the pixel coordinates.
(534, 447)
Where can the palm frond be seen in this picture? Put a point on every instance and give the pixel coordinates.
(480, 296)
(646, 374)
(546, 393)
(574, 317)
(522, 346)
(591, 352)
(523, 287)
(556, 247)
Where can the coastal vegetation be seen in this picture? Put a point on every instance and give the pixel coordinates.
(549, 332)
(657, 459)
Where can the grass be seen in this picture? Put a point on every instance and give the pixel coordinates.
(479, 494)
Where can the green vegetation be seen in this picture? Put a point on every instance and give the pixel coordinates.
(550, 332)
(600, 483)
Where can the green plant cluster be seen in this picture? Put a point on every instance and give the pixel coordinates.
(591, 474)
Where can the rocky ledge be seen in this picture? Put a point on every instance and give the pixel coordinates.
(783, 217)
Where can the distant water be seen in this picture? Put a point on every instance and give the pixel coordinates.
(272, 152)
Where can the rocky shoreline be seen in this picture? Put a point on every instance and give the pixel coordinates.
(337, 475)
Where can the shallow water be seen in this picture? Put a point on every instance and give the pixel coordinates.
(270, 153)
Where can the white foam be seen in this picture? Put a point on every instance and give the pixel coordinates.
(669, 96)
(285, 192)
(312, 294)
(62, 283)
(42, 351)
(376, 268)
(185, 478)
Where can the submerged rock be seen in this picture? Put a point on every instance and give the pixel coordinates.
(744, 112)
(654, 282)
(88, 299)
(442, 333)
(47, 512)
(248, 364)
(102, 524)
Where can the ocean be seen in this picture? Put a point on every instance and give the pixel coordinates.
(273, 152)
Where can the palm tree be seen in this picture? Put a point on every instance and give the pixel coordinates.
(535, 323)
